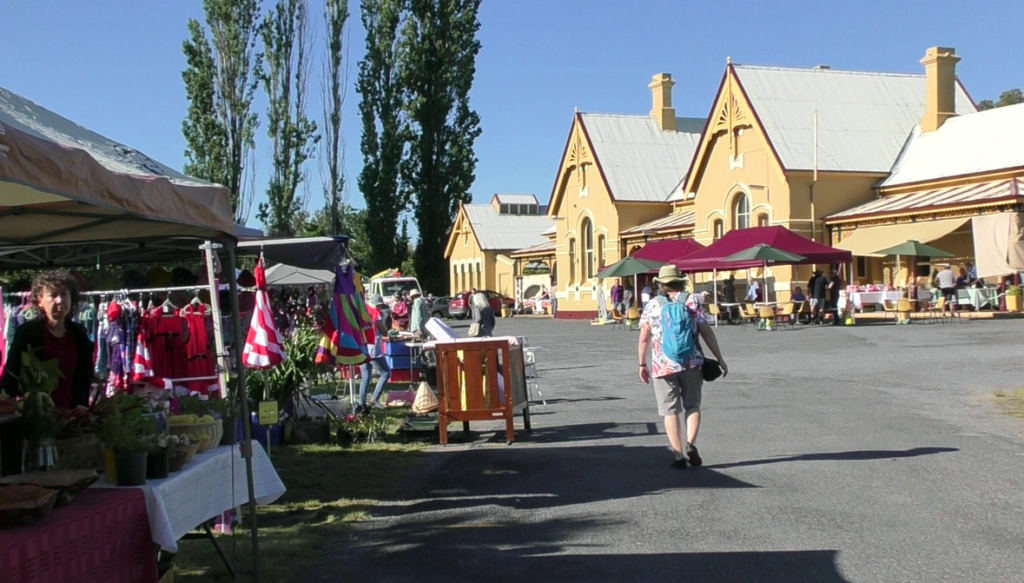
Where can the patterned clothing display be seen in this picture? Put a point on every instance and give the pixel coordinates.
(344, 340)
(199, 361)
(263, 348)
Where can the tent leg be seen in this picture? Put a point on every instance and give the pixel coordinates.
(244, 403)
(714, 290)
(218, 332)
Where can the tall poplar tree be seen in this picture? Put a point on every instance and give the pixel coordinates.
(285, 77)
(333, 97)
(383, 140)
(220, 83)
(439, 48)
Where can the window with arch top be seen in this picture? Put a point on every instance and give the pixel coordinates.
(600, 252)
(572, 260)
(762, 220)
(718, 229)
(741, 211)
(587, 230)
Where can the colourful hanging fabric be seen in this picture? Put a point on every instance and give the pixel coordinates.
(344, 340)
(263, 346)
(142, 364)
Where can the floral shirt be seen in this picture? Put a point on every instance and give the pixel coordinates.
(661, 365)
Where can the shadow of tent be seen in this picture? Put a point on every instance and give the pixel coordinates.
(856, 455)
(557, 400)
(548, 477)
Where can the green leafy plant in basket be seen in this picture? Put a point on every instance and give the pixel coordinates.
(287, 378)
(127, 429)
(39, 378)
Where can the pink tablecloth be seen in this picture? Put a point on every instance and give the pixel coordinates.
(102, 536)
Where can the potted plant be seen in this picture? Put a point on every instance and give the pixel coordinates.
(129, 435)
(227, 410)
(1014, 296)
(38, 379)
(158, 460)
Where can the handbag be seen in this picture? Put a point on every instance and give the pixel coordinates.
(710, 370)
(426, 401)
(474, 330)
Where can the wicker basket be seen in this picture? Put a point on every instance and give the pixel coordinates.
(211, 432)
(80, 453)
(182, 454)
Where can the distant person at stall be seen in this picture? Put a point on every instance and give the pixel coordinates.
(483, 315)
(819, 291)
(835, 284)
(972, 273)
(645, 296)
(962, 281)
(628, 295)
(800, 298)
(753, 290)
(312, 300)
(420, 314)
(946, 282)
(54, 337)
(375, 349)
(616, 291)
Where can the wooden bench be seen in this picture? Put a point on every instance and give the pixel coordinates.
(468, 386)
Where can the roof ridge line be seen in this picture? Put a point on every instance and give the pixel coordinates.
(830, 70)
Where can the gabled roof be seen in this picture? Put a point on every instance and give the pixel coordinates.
(498, 232)
(544, 249)
(640, 161)
(987, 141)
(504, 198)
(863, 118)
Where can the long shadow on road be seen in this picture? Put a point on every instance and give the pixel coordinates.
(859, 455)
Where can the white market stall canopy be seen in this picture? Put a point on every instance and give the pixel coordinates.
(61, 183)
(282, 274)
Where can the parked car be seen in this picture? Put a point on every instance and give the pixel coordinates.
(439, 308)
(460, 310)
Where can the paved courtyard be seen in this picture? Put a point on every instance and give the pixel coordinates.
(831, 454)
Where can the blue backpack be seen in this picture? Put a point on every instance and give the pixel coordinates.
(677, 337)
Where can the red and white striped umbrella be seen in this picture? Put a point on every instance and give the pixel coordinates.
(263, 346)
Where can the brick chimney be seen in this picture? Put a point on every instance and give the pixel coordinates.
(940, 87)
(663, 112)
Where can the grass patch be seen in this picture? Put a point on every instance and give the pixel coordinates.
(329, 489)
(1011, 402)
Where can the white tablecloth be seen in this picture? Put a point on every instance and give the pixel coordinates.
(203, 490)
(861, 299)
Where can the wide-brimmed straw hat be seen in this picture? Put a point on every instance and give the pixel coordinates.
(415, 293)
(668, 274)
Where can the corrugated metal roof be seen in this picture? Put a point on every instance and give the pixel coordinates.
(506, 198)
(673, 221)
(936, 198)
(545, 248)
(986, 141)
(641, 162)
(863, 118)
(496, 231)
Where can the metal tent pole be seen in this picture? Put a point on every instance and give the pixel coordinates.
(218, 333)
(244, 402)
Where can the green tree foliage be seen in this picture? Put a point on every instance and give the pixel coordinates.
(383, 141)
(220, 83)
(1011, 97)
(206, 153)
(439, 48)
(333, 97)
(284, 75)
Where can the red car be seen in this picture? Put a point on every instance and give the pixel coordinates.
(460, 310)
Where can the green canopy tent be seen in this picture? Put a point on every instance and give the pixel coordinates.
(914, 249)
(765, 254)
(630, 266)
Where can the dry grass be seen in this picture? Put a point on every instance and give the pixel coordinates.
(329, 488)
(1011, 402)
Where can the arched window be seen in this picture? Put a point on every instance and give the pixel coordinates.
(455, 279)
(741, 212)
(762, 220)
(572, 260)
(719, 229)
(479, 275)
(600, 252)
(587, 229)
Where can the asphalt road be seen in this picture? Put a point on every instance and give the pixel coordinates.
(831, 454)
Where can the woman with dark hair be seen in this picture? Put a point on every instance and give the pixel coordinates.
(54, 336)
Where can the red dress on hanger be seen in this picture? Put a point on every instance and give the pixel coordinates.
(199, 361)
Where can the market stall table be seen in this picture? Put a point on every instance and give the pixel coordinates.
(861, 299)
(103, 536)
(212, 483)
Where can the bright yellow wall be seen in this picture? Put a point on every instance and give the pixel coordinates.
(468, 265)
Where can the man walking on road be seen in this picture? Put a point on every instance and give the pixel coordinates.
(677, 385)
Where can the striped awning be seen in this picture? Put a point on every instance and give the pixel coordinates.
(544, 249)
(936, 199)
(681, 220)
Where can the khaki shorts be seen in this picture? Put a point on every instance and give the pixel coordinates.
(678, 392)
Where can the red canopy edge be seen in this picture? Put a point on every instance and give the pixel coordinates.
(712, 257)
(668, 250)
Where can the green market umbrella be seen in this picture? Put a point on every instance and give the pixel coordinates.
(765, 254)
(912, 248)
(630, 266)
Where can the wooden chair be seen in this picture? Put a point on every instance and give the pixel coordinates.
(618, 319)
(788, 313)
(747, 314)
(766, 317)
(715, 312)
(938, 310)
(468, 386)
(904, 308)
(633, 318)
(889, 307)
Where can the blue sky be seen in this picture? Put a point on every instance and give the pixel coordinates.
(115, 66)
